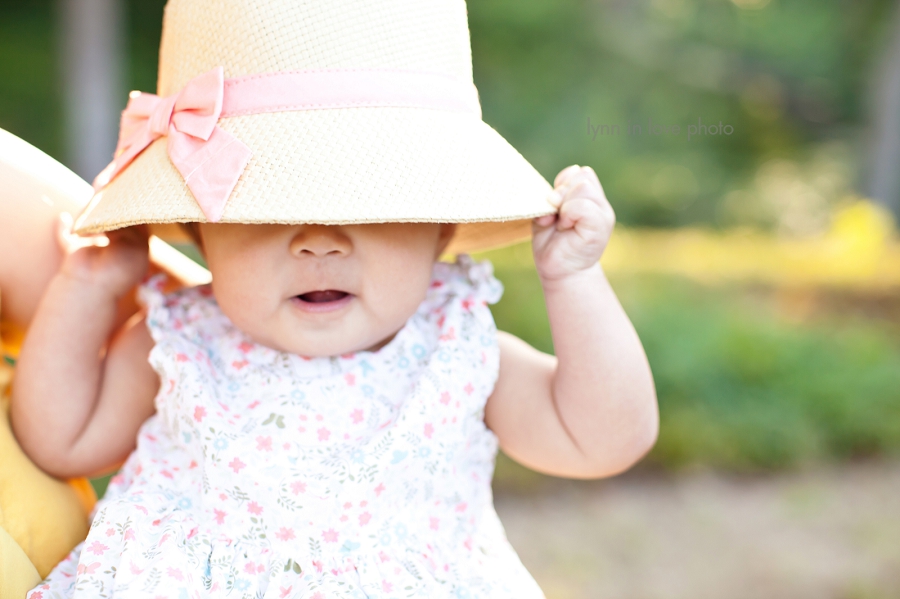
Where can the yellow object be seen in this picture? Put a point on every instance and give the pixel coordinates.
(41, 518)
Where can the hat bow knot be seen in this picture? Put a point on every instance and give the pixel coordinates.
(209, 158)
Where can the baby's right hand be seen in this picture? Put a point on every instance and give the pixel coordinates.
(117, 260)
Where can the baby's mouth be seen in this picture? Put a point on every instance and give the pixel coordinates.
(327, 300)
(321, 297)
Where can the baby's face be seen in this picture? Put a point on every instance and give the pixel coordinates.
(318, 290)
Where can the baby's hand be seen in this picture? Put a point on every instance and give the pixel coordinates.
(116, 261)
(573, 240)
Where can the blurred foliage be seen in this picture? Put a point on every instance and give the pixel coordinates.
(788, 75)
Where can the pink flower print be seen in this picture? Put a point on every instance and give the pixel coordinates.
(110, 532)
(469, 388)
(364, 518)
(285, 534)
(435, 523)
(175, 573)
(182, 358)
(37, 595)
(462, 507)
(298, 487)
(351, 380)
(445, 398)
(356, 416)
(245, 347)
(253, 404)
(330, 535)
(97, 548)
(429, 430)
(82, 569)
(254, 508)
(363, 503)
(383, 557)
(286, 446)
(324, 433)
(318, 566)
(237, 365)
(220, 517)
(236, 464)
(302, 416)
(348, 505)
(386, 586)
(284, 592)
(319, 417)
(129, 535)
(379, 489)
(250, 568)
(264, 444)
(344, 518)
(318, 595)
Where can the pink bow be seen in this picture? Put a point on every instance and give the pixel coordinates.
(210, 159)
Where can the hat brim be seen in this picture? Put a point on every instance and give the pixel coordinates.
(348, 166)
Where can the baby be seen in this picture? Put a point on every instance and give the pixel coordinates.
(322, 420)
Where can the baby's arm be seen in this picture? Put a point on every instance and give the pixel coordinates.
(591, 410)
(74, 410)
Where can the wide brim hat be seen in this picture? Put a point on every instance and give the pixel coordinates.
(384, 159)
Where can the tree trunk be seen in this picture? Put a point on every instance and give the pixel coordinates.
(92, 46)
(884, 160)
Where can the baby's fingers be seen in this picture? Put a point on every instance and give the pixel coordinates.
(70, 242)
(565, 174)
(583, 215)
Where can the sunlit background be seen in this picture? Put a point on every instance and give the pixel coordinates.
(750, 149)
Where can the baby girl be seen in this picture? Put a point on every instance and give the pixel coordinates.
(322, 419)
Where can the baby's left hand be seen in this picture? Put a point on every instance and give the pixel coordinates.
(573, 240)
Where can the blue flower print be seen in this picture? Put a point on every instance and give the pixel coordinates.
(242, 584)
(220, 443)
(400, 530)
(358, 455)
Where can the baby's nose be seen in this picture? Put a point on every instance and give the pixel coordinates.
(320, 241)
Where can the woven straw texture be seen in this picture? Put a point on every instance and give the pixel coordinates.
(335, 166)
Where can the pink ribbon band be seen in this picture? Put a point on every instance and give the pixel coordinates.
(347, 88)
(211, 160)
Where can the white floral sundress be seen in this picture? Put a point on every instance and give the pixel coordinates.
(266, 474)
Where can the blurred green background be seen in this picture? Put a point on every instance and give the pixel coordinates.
(752, 375)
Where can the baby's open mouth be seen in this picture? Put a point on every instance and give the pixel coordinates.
(321, 297)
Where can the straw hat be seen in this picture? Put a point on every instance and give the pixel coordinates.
(339, 163)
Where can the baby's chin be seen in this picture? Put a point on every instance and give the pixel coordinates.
(320, 344)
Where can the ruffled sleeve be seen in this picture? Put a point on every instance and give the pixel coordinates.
(470, 280)
(188, 312)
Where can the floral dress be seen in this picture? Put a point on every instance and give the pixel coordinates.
(267, 474)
